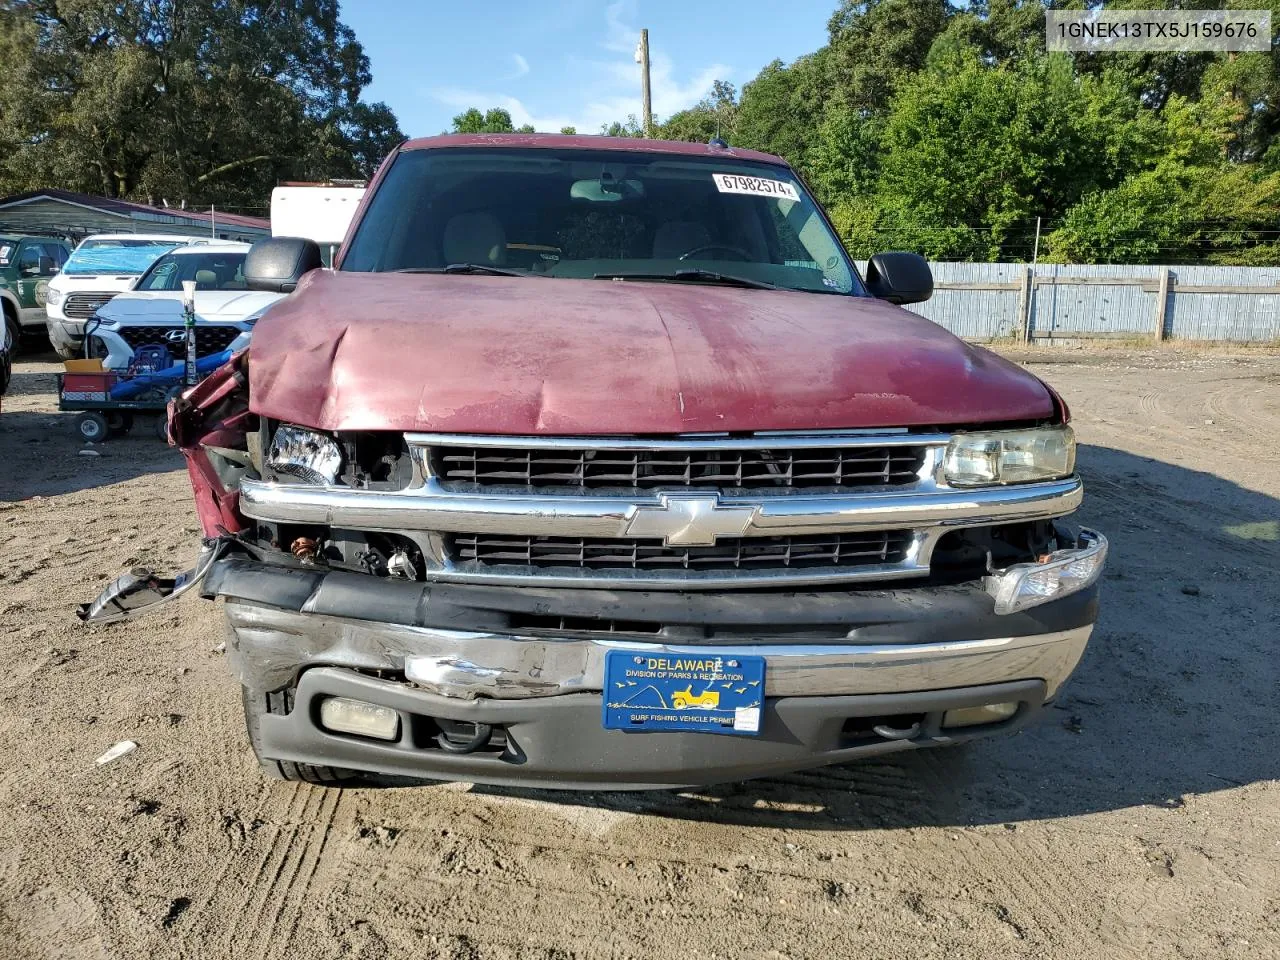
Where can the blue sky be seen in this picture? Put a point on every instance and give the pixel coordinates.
(568, 62)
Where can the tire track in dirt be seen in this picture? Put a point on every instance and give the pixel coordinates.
(272, 890)
(288, 901)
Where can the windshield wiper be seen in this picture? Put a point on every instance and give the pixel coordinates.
(692, 274)
(469, 268)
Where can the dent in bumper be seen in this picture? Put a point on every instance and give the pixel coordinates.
(269, 647)
(559, 742)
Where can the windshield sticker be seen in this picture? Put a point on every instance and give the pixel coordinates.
(755, 186)
(6, 253)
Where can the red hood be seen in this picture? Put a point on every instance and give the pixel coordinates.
(496, 355)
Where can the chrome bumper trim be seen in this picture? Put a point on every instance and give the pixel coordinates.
(431, 508)
(467, 665)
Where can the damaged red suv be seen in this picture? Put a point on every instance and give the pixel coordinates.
(594, 463)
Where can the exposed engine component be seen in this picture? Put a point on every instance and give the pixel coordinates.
(401, 566)
(305, 549)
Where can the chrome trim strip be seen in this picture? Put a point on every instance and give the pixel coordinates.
(468, 664)
(777, 441)
(432, 508)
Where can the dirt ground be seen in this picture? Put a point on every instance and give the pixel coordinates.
(1140, 819)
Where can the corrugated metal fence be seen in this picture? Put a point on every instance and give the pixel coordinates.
(992, 301)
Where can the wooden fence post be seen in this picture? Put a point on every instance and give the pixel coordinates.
(1162, 302)
(1025, 294)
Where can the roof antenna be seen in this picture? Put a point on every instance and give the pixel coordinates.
(716, 141)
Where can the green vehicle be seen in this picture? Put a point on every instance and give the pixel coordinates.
(26, 265)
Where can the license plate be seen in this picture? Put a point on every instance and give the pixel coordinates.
(695, 693)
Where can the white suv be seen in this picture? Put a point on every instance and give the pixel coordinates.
(151, 314)
(99, 268)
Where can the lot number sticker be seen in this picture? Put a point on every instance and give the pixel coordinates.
(755, 186)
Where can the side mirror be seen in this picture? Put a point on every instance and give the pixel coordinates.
(47, 269)
(276, 265)
(899, 277)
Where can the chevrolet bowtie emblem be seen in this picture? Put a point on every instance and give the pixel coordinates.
(690, 520)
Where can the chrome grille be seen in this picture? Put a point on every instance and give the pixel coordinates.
(726, 470)
(728, 554)
(213, 338)
(82, 306)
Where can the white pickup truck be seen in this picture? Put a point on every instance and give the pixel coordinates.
(99, 268)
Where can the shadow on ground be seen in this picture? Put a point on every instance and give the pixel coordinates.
(41, 454)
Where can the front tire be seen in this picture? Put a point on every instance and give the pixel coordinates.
(92, 427)
(15, 331)
(280, 702)
(66, 351)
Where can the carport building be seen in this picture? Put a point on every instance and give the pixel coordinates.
(77, 215)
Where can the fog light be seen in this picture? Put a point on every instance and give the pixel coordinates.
(977, 716)
(342, 715)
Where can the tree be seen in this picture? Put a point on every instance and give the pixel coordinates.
(715, 115)
(626, 128)
(495, 120)
(569, 131)
(876, 44)
(781, 110)
(200, 99)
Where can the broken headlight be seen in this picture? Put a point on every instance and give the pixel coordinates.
(306, 454)
(1056, 575)
(1010, 456)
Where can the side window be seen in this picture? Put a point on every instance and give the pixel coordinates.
(57, 253)
(29, 259)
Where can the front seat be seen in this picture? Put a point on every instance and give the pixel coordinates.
(677, 237)
(475, 238)
(206, 280)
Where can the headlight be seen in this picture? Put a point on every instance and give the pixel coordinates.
(305, 454)
(1010, 456)
(1064, 572)
(52, 296)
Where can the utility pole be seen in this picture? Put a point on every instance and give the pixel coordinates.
(642, 58)
(213, 222)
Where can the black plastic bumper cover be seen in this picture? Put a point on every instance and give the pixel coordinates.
(906, 614)
(559, 742)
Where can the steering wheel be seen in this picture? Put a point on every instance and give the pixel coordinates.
(724, 247)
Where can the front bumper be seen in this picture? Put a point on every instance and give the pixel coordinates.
(558, 742)
(66, 334)
(903, 658)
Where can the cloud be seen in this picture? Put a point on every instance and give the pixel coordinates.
(522, 67)
(610, 89)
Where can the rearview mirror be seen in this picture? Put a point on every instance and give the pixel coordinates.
(276, 265)
(899, 277)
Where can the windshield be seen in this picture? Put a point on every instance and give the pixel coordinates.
(590, 214)
(116, 256)
(210, 271)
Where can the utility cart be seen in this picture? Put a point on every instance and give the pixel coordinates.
(109, 399)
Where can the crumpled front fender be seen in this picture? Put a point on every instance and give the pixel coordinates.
(214, 413)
